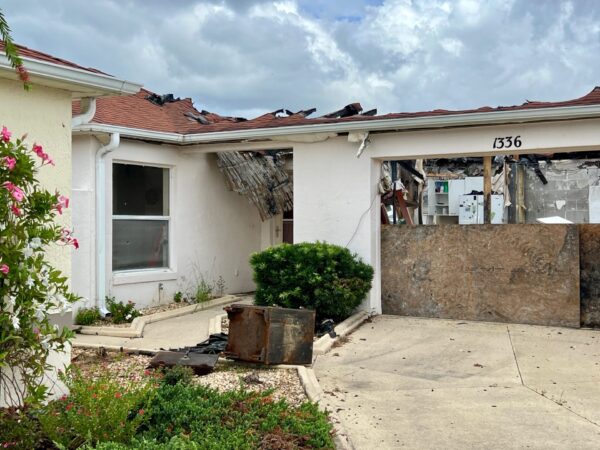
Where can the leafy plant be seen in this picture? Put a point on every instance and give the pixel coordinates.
(203, 291)
(233, 420)
(96, 410)
(87, 316)
(10, 49)
(121, 312)
(320, 276)
(177, 374)
(178, 297)
(29, 285)
(176, 443)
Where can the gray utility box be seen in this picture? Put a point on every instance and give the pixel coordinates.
(270, 335)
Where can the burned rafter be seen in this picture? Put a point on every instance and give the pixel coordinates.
(347, 111)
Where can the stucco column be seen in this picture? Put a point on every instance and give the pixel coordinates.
(336, 200)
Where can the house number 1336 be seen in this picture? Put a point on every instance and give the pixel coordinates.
(507, 142)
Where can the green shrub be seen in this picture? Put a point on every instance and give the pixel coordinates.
(96, 411)
(319, 276)
(87, 316)
(178, 297)
(121, 312)
(234, 420)
(177, 443)
(204, 291)
(177, 374)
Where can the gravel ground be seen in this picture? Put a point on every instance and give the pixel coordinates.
(227, 376)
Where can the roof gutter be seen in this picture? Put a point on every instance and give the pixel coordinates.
(72, 75)
(88, 106)
(400, 124)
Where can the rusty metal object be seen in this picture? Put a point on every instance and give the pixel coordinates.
(201, 364)
(269, 335)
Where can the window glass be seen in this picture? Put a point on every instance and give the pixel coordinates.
(140, 244)
(140, 190)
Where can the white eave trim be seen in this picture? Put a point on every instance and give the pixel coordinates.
(400, 124)
(133, 133)
(71, 75)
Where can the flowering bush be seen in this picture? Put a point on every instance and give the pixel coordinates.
(96, 410)
(29, 286)
(121, 312)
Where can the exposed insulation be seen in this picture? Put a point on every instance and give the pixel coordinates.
(260, 178)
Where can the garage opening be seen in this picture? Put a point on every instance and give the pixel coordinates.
(515, 241)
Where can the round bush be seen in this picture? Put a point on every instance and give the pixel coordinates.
(320, 276)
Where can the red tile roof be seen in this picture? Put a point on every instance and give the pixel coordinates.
(136, 111)
(25, 52)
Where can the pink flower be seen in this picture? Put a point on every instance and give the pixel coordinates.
(38, 150)
(16, 191)
(10, 162)
(118, 395)
(68, 239)
(18, 194)
(141, 412)
(63, 202)
(4, 269)
(5, 134)
(15, 209)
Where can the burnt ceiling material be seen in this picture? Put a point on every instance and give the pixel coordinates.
(261, 178)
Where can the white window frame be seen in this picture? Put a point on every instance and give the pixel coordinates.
(141, 275)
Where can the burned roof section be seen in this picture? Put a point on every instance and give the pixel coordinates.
(150, 111)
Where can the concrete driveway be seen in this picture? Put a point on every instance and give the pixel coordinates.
(427, 383)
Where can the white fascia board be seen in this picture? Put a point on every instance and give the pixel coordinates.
(133, 133)
(401, 124)
(77, 80)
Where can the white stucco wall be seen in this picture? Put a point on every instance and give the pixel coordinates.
(335, 193)
(45, 115)
(213, 230)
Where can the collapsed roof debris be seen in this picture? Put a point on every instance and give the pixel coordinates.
(161, 99)
(261, 178)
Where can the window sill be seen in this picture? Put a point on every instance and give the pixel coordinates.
(143, 276)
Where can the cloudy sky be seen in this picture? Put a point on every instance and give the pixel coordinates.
(245, 57)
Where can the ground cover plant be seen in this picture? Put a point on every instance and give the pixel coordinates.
(320, 276)
(163, 410)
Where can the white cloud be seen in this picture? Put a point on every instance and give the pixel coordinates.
(246, 57)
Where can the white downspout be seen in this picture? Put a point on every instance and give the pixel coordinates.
(88, 108)
(112, 145)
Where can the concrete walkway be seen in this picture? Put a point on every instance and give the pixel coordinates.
(171, 333)
(426, 383)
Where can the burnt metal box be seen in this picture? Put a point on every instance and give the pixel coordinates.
(270, 335)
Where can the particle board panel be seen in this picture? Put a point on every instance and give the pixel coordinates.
(589, 256)
(526, 273)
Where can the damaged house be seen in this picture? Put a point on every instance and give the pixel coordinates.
(166, 195)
